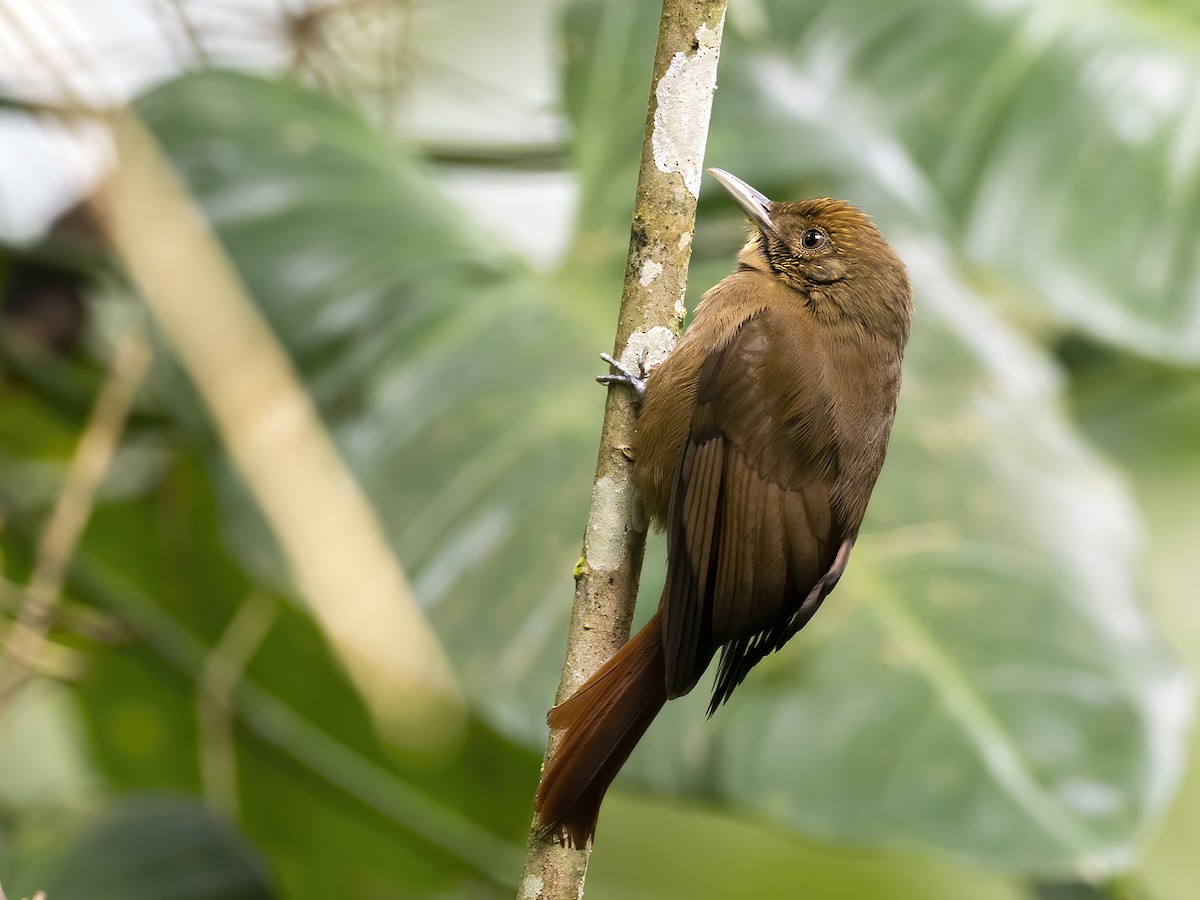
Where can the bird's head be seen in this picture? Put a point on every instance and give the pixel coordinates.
(828, 251)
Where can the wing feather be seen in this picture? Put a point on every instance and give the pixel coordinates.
(751, 519)
(686, 613)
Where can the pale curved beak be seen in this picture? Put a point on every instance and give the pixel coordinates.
(755, 204)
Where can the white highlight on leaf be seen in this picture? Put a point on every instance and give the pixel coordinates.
(683, 103)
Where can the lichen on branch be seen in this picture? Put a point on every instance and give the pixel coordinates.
(650, 318)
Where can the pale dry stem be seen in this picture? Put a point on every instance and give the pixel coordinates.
(60, 536)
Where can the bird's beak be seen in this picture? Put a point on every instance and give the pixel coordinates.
(756, 205)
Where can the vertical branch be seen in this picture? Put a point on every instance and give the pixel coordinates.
(652, 311)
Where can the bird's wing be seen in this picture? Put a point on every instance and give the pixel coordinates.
(751, 524)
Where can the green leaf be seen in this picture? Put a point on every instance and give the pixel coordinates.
(1145, 416)
(332, 809)
(151, 847)
(316, 790)
(453, 388)
(609, 55)
(1052, 144)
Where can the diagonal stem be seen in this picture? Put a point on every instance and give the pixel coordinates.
(71, 512)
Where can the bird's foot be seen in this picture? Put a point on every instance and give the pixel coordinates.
(624, 375)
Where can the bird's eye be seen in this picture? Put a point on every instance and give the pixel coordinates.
(813, 239)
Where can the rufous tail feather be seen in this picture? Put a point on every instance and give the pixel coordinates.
(601, 723)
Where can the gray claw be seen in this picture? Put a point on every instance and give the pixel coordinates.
(626, 377)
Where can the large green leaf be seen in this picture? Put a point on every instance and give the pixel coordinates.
(335, 810)
(139, 848)
(1147, 417)
(464, 418)
(984, 682)
(329, 806)
(1053, 144)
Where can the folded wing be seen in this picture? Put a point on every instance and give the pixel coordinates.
(751, 522)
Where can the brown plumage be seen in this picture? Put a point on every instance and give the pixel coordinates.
(758, 443)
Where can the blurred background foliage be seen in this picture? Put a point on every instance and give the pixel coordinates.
(429, 202)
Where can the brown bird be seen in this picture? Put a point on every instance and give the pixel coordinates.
(758, 443)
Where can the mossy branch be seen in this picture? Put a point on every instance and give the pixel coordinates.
(651, 315)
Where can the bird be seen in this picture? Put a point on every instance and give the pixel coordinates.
(757, 444)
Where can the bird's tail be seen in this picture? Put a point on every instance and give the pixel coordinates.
(602, 723)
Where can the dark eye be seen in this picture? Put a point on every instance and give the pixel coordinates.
(812, 239)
